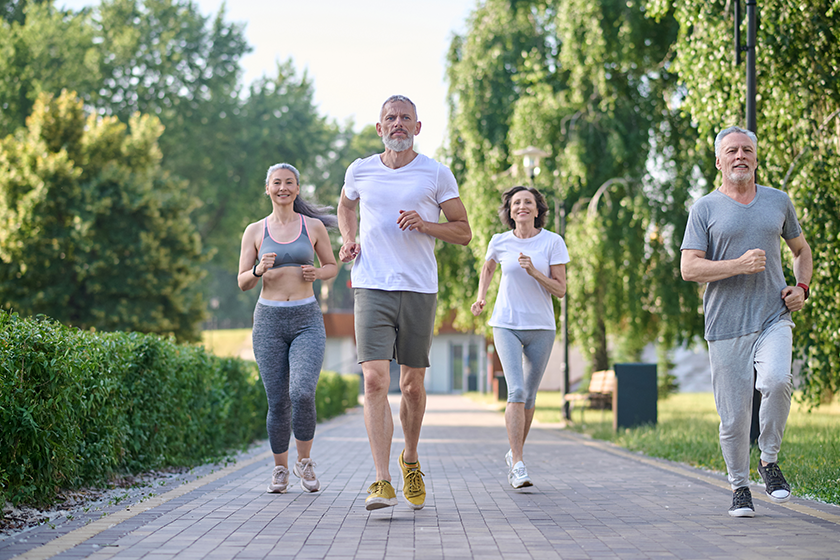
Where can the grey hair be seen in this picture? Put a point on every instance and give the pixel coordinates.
(404, 99)
(302, 206)
(727, 131)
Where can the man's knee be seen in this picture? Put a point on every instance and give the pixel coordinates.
(377, 377)
(412, 382)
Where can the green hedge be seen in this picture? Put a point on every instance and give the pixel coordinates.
(77, 408)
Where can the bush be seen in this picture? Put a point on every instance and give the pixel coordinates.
(77, 408)
(335, 394)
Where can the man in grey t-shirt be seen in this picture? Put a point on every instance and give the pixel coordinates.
(732, 243)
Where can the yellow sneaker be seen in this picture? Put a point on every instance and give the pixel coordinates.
(382, 495)
(414, 489)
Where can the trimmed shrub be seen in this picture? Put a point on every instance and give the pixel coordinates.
(77, 408)
(335, 394)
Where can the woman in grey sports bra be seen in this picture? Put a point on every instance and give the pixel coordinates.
(288, 334)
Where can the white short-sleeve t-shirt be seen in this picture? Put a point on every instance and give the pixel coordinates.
(392, 259)
(522, 303)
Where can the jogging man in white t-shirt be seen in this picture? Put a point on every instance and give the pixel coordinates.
(395, 279)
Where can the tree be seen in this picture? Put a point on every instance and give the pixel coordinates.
(92, 231)
(798, 108)
(42, 50)
(589, 83)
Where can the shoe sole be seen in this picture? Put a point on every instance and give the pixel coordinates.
(276, 490)
(742, 512)
(415, 506)
(523, 484)
(379, 503)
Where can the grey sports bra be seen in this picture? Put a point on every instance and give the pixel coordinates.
(292, 253)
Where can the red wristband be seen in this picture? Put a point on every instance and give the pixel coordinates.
(804, 286)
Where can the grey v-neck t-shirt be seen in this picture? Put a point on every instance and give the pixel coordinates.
(725, 229)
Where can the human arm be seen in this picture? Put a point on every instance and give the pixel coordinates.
(555, 284)
(695, 267)
(456, 229)
(323, 248)
(794, 296)
(247, 255)
(484, 278)
(348, 224)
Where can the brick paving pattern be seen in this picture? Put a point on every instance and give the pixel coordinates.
(591, 500)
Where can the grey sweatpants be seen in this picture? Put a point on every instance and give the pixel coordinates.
(289, 346)
(733, 361)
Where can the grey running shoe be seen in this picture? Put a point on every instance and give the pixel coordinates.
(305, 471)
(279, 480)
(518, 476)
(742, 504)
(774, 482)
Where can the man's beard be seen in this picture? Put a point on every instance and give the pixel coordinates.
(398, 145)
(739, 176)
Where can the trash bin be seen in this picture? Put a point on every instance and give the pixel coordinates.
(634, 398)
(500, 385)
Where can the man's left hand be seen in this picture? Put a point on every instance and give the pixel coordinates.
(411, 220)
(794, 297)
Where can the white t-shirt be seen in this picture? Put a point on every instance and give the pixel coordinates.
(522, 303)
(392, 259)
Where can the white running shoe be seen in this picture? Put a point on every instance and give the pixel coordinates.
(518, 476)
(509, 459)
(305, 471)
(279, 480)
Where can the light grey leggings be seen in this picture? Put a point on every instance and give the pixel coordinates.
(289, 346)
(524, 355)
(733, 361)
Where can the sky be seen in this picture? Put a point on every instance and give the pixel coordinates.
(356, 52)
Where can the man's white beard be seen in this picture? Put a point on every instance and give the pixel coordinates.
(739, 176)
(398, 145)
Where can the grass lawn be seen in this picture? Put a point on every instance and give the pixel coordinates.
(225, 343)
(687, 432)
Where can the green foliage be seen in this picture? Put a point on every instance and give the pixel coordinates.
(798, 112)
(78, 408)
(335, 394)
(94, 233)
(42, 50)
(589, 83)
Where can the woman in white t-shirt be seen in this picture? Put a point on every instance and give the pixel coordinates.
(533, 263)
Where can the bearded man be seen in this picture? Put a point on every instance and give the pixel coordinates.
(400, 195)
(732, 243)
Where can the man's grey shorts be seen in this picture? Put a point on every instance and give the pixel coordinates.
(394, 325)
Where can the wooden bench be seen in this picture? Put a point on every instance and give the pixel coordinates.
(599, 395)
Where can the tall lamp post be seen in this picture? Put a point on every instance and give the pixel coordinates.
(531, 161)
(749, 48)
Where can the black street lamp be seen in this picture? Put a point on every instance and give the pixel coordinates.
(531, 161)
(749, 48)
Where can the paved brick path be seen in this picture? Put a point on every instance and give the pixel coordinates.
(591, 500)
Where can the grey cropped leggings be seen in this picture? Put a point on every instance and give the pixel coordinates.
(524, 355)
(289, 347)
(733, 361)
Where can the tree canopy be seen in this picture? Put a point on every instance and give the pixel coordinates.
(93, 232)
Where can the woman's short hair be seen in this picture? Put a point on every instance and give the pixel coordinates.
(504, 209)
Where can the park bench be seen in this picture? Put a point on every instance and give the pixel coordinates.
(599, 394)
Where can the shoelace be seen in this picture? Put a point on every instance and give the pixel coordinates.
(309, 470)
(377, 487)
(414, 482)
(520, 472)
(280, 476)
(775, 478)
(742, 498)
